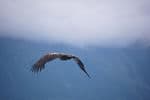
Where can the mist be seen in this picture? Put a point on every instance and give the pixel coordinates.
(105, 23)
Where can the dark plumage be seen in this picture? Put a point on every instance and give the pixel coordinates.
(40, 64)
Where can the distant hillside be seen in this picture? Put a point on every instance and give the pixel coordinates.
(117, 73)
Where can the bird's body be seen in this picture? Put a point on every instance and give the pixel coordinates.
(40, 64)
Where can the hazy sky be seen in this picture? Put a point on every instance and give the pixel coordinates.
(77, 22)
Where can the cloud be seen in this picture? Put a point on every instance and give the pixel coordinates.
(77, 22)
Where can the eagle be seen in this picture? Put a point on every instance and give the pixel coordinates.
(40, 64)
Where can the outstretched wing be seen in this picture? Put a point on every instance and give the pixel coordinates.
(81, 65)
(40, 64)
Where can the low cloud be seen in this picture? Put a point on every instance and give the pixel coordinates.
(77, 22)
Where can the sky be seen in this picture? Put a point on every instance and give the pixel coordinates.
(104, 23)
(32, 28)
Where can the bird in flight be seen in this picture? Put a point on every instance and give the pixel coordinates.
(40, 64)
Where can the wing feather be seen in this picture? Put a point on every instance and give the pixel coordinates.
(81, 65)
(40, 64)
